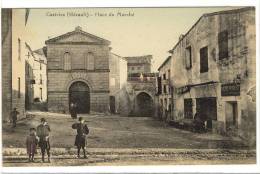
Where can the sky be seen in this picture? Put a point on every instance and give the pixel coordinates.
(140, 31)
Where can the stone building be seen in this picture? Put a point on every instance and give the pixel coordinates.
(213, 72)
(137, 97)
(117, 80)
(13, 61)
(78, 72)
(139, 64)
(164, 91)
(40, 70)
(35, 77)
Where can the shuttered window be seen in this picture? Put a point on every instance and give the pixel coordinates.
(223, 44)
(159, 81)
(188, 58)
(204, 60)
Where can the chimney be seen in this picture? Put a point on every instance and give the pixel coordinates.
(78, 28)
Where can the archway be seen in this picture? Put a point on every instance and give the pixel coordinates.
(79, 94)
(144, 105)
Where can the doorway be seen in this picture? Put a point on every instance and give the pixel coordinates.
(80, 95)
(207, 109)
(144, 105)
(231, 111)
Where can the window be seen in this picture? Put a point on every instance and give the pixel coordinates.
(165, 103)
(41, 92)
(67, 61)
(40, 66)
(138, 67)
(159, 81)
(19, 87)
(40, 79)
(89, 61)
(223, 44)
(188, 58)
(133, 68)
(164, 89)
(169, 74)
(164, 76)
(19, 49)
(188, 108)
(204, 60)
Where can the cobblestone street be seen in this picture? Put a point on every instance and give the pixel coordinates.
(124, 140)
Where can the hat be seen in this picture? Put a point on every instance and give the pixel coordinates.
(80, 118)
(43, 120)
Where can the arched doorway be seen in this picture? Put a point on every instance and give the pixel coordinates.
(79, 94)
(144, 105)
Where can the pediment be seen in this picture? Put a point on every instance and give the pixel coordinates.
(78, 36)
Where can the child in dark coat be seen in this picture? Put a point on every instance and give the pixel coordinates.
(81, 139)
(31, 144)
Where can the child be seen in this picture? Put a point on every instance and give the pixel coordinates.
(31, 143)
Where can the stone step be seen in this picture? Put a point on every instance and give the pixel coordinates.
(125, 151)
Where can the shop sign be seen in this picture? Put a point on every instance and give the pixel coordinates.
(230, 89)
(183, 89)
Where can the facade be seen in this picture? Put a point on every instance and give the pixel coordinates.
(117, 80)
(213, 72)
(139, 64)
(14, 35)
(6, 63)
(78, 72)
(164, 90)
(35, 77)
(137, 97)
(40, 69)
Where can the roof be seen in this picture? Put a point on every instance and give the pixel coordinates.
(166, 61)
(139, 57)
(212, 14)
(76, 31)
(33, 53)
(41, 51)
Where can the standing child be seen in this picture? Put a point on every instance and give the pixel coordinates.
(31, 144)
(81, 137)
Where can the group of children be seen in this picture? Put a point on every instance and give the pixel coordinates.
(40, 136)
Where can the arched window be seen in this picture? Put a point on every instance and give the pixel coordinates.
(67, 61)
(89, 61)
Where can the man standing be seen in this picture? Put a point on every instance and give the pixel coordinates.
(13, 116)
(82, 132)
(43, 132)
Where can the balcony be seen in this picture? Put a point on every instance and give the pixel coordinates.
(142, 77)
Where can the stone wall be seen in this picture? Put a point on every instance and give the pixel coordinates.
(60, 81)
(128, 97)
(238, 67)
(79, 45)
(56, 52)
(6, 63)
(19, 37)
(165, 98)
